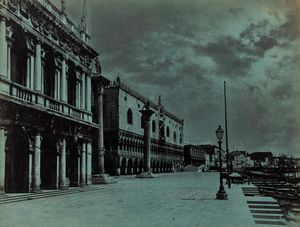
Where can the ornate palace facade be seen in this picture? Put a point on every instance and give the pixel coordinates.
(46, 122)
(123, 133)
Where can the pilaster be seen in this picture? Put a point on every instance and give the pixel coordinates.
(38, 67)
(3, 47)
(2, 158)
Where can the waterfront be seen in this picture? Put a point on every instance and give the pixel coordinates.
(180, 199)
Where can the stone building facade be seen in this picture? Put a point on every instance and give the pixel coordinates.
(194, 155)
(46, 122)
(123, 133)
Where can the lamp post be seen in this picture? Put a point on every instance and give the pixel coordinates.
(221, 194)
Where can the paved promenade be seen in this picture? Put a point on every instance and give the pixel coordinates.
(180, 199)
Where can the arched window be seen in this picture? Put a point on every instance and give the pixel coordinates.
(18, 58)
(129, 116)
(142, 122)
(153, 126)
(168, 131)
(72, 85)
(49, 75)
(174, 137)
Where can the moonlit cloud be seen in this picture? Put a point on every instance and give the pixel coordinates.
(184, 50)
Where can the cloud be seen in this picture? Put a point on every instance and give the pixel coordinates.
(184, 50)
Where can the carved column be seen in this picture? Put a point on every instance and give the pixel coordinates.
(38, 67)
(36, 172)
(63, 82)
(62, 165)
(3, 47)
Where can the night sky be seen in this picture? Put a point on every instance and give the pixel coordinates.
(185, 50)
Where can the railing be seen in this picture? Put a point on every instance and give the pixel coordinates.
(75, 113)
(24, 94)
(21, 94)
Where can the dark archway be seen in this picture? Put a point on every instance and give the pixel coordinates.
(141, 166)
(18, 58)
(123, 166)
(136, 166)
(129, 166)
(49, 163)
(17, 160)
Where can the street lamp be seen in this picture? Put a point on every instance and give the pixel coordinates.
(221, 194)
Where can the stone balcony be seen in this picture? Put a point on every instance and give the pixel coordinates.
(24, 95)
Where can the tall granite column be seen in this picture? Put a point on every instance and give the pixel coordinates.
(146, 116)
(3, 47)
(100, 177)
(36, 172)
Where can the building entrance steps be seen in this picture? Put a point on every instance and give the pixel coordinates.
(19, 197)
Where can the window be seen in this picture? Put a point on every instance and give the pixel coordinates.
(49, 75)
(174, 137)
(168, 131)
(153, 126)
(72, 85)
(129, 116)
(142, 122)
(18, 59)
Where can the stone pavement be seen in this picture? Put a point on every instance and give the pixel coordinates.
(179, 199)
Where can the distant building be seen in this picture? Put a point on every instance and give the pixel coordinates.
(123, 132)
(194, 155)
(261, 158)
(240, 159)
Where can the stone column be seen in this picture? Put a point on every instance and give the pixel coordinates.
(8, 61)
(88, 94)
(36, 172)
(62, 165)
(82, 166)
(89, 162)
(2, 158)
(38, 67)
(146, 116)
(98, 88)
(3, 47)
(83, 93)
(63, 82)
